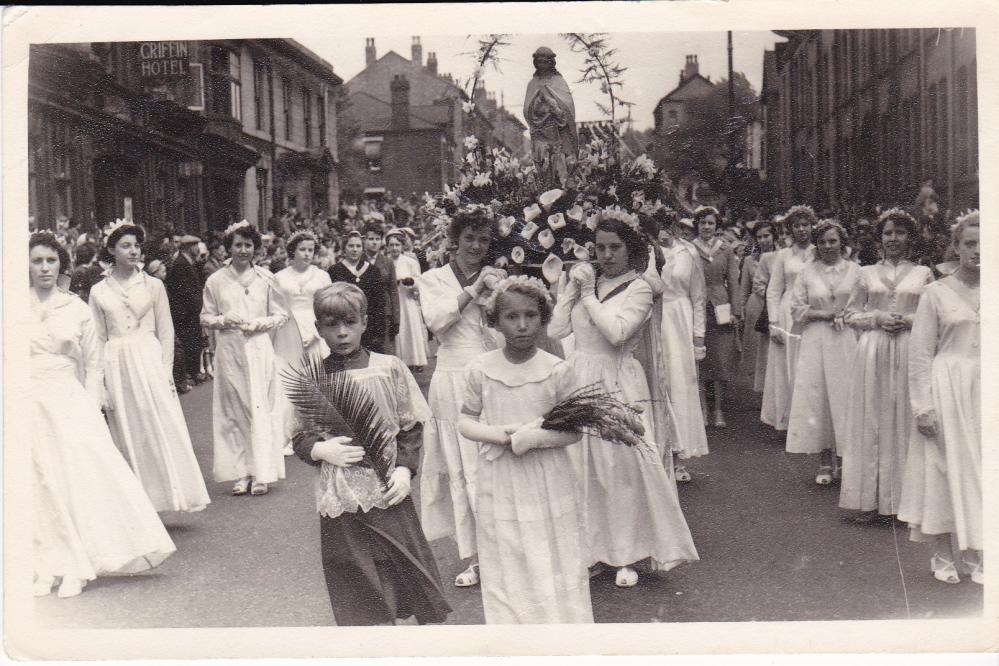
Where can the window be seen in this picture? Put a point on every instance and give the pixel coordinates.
(194, 94)
(373, 153)
(286, 99)
(307, 114)
(322, 118)
(261, 198)
(259, 86)
(225, 84)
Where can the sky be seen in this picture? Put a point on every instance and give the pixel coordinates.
(653, 60)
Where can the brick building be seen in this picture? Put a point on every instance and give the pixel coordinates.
(409, 125)
(189, 135)
(855, 118)
(672, 109)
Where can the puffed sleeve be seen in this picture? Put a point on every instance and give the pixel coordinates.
(619, 318)
(438, 302)
(560, 325)
(471, 403)
(732, 280)
(410, 404)
(922, 349)
(211, 316)
(799, 297)
(858, 313)
(749, 268)
(698, 295)
(164, 322)
(651, 274)
(92, 355)
(775, 287)
(98, 322)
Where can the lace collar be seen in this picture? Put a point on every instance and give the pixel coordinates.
(537, 369)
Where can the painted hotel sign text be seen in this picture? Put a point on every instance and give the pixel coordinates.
(164, 59)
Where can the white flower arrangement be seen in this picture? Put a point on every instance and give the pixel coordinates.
(548, 198)
(546, 238)
(505, 225)
(531, 212)
(482, 179)
(471, 142)
(556, 221)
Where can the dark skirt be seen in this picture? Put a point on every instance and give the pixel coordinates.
(379, 568)
(722, 357)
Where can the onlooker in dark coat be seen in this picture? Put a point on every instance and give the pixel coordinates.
(373, 240)
(87, 272)
(184, 289)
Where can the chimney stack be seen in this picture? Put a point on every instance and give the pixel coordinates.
(400, 102)
(417, 52)
(369, 51)
(690, 68)
(432, 63)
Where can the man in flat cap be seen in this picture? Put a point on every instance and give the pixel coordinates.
(184, 290)
(551, 115)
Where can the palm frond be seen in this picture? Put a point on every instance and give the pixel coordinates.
(334, 402)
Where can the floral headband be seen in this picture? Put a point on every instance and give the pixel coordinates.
(895, 211)
(620, 214)
(301, 235)
(531, 283)
(114, 226)
(236, 226)
(968, 216)
(800, 209)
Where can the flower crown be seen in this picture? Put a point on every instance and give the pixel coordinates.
(236, 226)
(531, 283)
(620, 214)
(800, 209)
(894, 211)
(707, 209)
(114, 226)
(968, 216)
(302, 234)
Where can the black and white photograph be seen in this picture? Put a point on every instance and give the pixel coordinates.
(341, 317)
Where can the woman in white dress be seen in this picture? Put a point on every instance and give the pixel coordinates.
(132, 318)
(942, 490)
(817, 423)
(411, 343)
(451, 297)
(92, 516)
(879, 418)
(243, 303)
(785, 337)
(299, 281)
(630, 506)
(753, 286)
(681, 336)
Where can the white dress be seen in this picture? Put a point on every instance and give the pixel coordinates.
(778, 385)
(682, 321)
(411, 343)
(942, 488)
(447, 475)
(298, 290)
(147, 423)
(879, 418)
(91, 514)
(528, 521)
(825, 362)
(631, 510)
(248, 430)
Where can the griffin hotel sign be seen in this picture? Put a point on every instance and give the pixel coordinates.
(164, 59)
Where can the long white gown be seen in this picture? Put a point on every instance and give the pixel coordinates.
(631, 509)
(683, 301)
(91, 514)
(942, 488)
(248, 429)
(411, 343)
(147, 423)
(447, 475)
(531, 547)
(825, 362)
(298, 290)
(879, 418)
(778, 385)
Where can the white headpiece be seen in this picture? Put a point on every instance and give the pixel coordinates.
(114, 226)
(503, 285)
(236, 226)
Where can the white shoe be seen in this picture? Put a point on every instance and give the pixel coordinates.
(70, 587)
(42, 587)
(681, 474)
(289, 450)
(626, 577)
(468, 578)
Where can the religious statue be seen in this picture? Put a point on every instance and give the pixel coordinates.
(551, 117)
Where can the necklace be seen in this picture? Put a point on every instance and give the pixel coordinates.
(244, 282)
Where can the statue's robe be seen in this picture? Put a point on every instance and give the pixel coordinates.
(551, 116)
